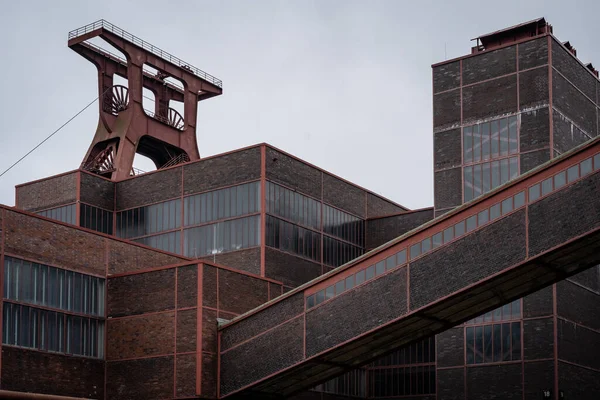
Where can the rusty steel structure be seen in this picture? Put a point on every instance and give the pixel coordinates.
(125, 127)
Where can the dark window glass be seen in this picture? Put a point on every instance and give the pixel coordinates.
(360, 277)
(485, 141)
(504, 171)
(516, 309)
(478, 344)
(390, 262)
(573, 173)
(437, 240)
(497, 342)
(507, 205)
(310, 301)
(350, 282)
(504, 137)
(487, 343)
(415, 251)
(534, 192)
(516, 340)
(506, 339)
(507, 311)
(494, 211)
(477, 182)
(512, 135)
(401, 257)
(459, 229)
(513, 167)
(380, 268)
(448, 234)
(320, 297)
(560, 180)
(546, 186)
(468, 180)
(495, 142)
(486, 177)
(519, 199)
(426, 245)
(476, 143)
(467, 144)
(471, 223)
(370, 272)
(340, 287)
(482, 217)
(586, 166)
(495, 174)
(597, 162)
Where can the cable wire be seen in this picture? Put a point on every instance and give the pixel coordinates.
(53, 133)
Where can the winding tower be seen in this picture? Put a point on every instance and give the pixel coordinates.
(125, 127)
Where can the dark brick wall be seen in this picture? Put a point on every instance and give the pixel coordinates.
(34, 371)
(566, 135)
(187, 286)
(151, 188)
(578, 383)
(382, 230)
(490, 64)
(448, 188)
(576, 73)
(240, 293)
(187, 330)
(186, 375)
(140, 336)
(245, 260)
(450, 384)
(48, 193)
(447, 151)
(558, 218)
(141, 293)
(293, 173)
(281, 347)
(533, 159)
(573, 104)
(124, 257)
(490, 98)
(340, 194)
(450, 347)
(534, 88)
(97, 191)
(430, 279)
(577, 344)
(378, 206)
(538, 338)
(446, 77)
(225, 170)
(578, 305)
(590, 278)
(368, 312)
(147, 378)
(494, 382)
(533, 53)
(291, 270)
(538, 304)
(538, 376)
(535, 130)
(446, 110)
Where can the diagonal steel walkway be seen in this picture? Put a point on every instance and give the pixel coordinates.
(526, 235)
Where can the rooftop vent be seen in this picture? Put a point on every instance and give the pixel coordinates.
(510, 35)
(570, 47)
(591, 68)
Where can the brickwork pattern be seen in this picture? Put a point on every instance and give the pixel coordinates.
(49, 193)
(382, 230)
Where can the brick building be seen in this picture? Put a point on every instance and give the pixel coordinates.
(115, 283)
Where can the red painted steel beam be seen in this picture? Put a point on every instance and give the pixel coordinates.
(8, 394)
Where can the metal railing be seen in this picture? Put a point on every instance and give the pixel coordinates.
(146, 46)
(162, 119)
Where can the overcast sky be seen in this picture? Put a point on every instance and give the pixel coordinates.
(345, 85)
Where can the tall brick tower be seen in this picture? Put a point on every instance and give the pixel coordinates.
(519, 99)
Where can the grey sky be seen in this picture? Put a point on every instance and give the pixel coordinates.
(345, 85)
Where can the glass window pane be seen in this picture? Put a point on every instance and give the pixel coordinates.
(507, 311)
(519, 199)
(310, 301)
(340, 287)
(573, 173)
(350, 282)
(470, 345)
(514, 167)
(426, 245)
(497, 342)
(487, 344)
(437, 240)
(478, 344)
(370, 273)
(560, 180)
(503, 137)
(494, 211)
(390, 262)
(320, 297)
(507, 205)
(471, 223)
(415, 250)
(586, 166)
(380, 268)
(597, 162)
(512, 135)
(516, 340)
(329, 292)
(468, 145)
(534, 192)
(477, 182)
(468, 183)
(495, 139)
(401, 257)
(506, 350)
(485, 141)
(486, 177)
(516, 309)
(476, 144)
(504, 171)
(546, 186)
(483, 217)
(495, 174)
(459, 229)
(448, 234)
(359, 277)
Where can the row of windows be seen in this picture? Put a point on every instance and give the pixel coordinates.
(222, 204)
(481, 178)
(461, 228)
(336, 253)
(490, 140)
(96, 219)
(402, 381)
(52, 331)
(343, 225)
(222, 237)
(505, 313)
(562, 178)
(167, 241)
(34, 283)
(288, 237)
(149, 219)
(293, 206)
(416, 353)
(493, 343)
(67, 214)
(350, 384)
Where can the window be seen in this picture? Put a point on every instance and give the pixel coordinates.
(586, 166)
(336, 252)
(96, 219)
(560, 179)
(481, 178)
(493, 343)
(534, 192)
(415, 251)
(597, 162)
(343, 225)
(573, 173)
(167, 241)
(293, 206)
(402, 381)
(149, 220)
(352, 384)
(490, 140)
(65, 214)
(238, 234)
